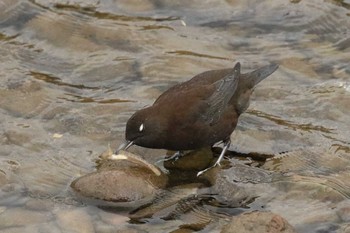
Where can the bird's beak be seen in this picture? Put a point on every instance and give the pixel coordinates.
(124, 146)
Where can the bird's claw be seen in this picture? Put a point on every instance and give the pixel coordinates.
(201, 172)
(217, 164)
(174, 157)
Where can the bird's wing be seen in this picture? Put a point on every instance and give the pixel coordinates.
(225, 88)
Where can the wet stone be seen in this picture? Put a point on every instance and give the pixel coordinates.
(239, 184)
(128, 181)
(230, 192)
(247, 174)
(75, 220)
(193, 160)
(114, 186)
(259, 222)
(172, 199)
(113, 218)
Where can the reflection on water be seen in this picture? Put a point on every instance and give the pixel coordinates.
(72, 72)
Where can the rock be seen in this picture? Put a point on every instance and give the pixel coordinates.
(259, 222)
(228, 192)
(113, 218)
(75, 220)
(194, 160)
(127, 181)
(239, 184)
(119, 187)
(171, 199)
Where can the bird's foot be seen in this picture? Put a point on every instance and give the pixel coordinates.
(205, 170)
(217, 163)
(174, 157)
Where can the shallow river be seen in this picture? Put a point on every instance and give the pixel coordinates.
(72, 73)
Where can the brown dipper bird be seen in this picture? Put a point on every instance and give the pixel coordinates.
(196, 113)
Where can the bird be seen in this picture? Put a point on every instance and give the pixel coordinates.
(200, 112)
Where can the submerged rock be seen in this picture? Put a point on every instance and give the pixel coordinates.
(170, 200)
(193, 160)
(76, 220)
(259, 222)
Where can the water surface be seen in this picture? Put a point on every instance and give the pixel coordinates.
(72, 72)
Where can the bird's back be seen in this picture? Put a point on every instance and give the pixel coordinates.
(202, 79)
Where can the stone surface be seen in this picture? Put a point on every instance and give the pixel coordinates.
(114, 186)
(113, 218)
(194, 160)
(172, 198)
(75, 220)
(121, 180)
(259, 222)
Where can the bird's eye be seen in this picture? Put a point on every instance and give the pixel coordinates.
(141, 128)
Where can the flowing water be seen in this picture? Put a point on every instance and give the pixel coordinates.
(72, 72)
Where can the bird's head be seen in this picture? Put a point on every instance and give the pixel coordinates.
(145, 128)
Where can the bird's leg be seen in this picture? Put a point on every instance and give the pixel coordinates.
(227, 143)
(175, 156)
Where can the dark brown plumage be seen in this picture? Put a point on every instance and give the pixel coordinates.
(196, 113)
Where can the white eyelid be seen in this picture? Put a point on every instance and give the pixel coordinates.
(141, 128)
